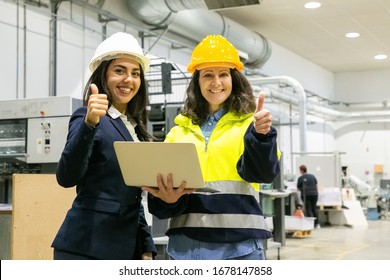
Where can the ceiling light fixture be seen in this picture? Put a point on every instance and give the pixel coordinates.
(380, 56)
(352, 35)
(312, 5)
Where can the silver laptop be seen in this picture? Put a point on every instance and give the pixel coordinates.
(140, 162)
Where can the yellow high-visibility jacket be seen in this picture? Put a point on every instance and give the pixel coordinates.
(234, 162)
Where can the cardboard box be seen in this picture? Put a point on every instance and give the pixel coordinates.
(378, 168)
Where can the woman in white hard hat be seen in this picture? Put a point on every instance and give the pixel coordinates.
(106, 220)
(237, 150)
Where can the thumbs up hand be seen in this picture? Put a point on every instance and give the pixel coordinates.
(97, 106)
(262, 117)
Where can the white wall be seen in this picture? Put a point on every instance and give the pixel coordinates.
(312, 77)
(9, 70)
(365, 144)
(363, 87)
(79, 32)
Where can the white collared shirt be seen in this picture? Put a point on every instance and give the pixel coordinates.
(130, 124)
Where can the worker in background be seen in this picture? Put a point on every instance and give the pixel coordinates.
(236, 145)
(307, 185)
(107, 219)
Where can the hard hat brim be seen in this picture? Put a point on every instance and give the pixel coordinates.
(192, 67)
(142, 60)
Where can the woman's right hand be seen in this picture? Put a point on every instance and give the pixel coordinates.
(165, 191)
(97, 106)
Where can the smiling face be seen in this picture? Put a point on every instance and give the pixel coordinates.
(216, 86)
(123, 81)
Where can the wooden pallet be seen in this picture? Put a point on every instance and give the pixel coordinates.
(329, 207)
(298, 233)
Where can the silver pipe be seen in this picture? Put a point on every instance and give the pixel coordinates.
(24, 51)
(302, 101)
(327, 113)
(53, 49)
(17, 50)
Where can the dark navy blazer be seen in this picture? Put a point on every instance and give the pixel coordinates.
(106, 220)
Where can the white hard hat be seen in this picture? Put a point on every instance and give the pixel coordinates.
(116, 45)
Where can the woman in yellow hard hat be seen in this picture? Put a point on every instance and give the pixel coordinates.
(237, 150)
(106, 220)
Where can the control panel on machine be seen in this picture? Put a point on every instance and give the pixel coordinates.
(34, 130)
(32, 136)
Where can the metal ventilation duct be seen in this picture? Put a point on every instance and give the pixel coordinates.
(222, 4)
(191, 20)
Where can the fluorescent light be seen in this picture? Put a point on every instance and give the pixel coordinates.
(380, 56)
(352, 35)
(312, 5)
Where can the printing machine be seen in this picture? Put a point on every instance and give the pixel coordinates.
(32, 136)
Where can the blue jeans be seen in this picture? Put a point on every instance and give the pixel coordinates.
(181, 247)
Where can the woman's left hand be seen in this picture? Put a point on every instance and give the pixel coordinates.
(166, 191)
(262, 117)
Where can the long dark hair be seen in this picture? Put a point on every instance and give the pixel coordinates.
(241, 101)
(136, 108)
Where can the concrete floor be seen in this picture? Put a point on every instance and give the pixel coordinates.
(339, 243)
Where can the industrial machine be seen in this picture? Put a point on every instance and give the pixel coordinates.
(32, 136)
(363, 191)
(384, 198)
(374, 199)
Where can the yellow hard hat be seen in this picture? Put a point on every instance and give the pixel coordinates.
(214, 51)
